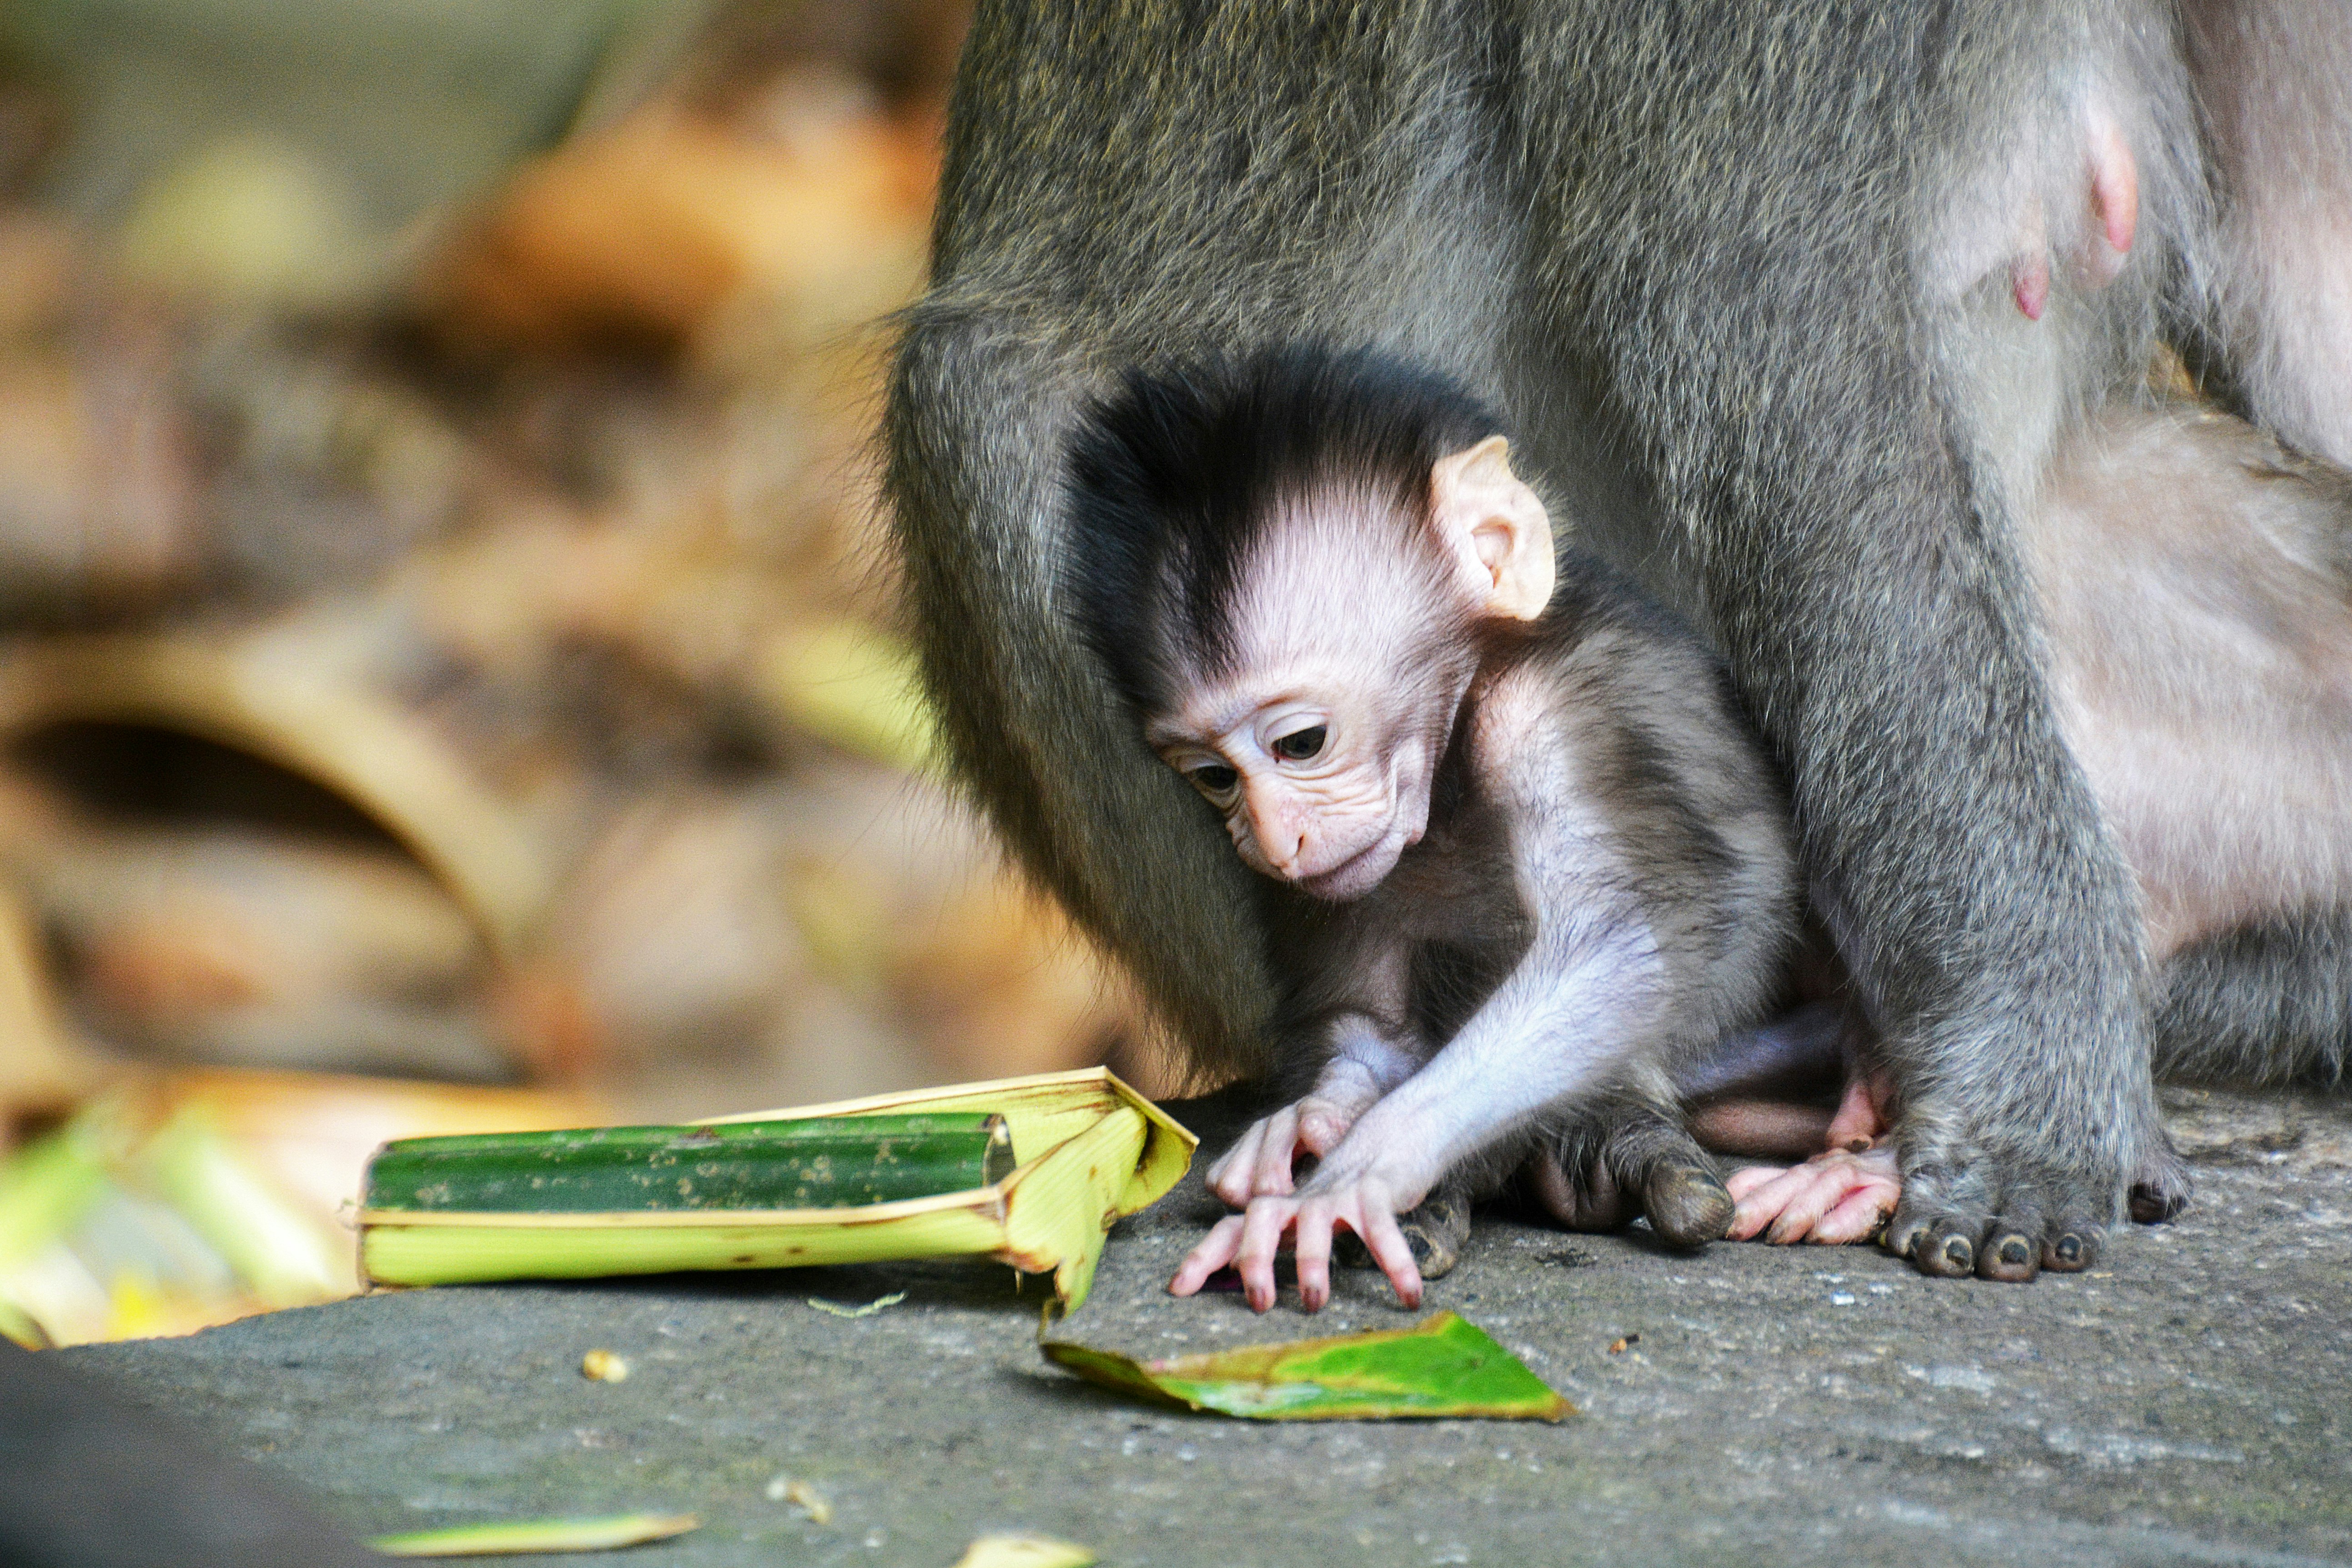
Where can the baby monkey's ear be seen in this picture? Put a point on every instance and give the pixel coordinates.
(1494, 528)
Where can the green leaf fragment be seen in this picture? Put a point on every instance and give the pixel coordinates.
(1446, 1366)
(519, 1536)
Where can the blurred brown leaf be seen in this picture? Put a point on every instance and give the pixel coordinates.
(647, 232)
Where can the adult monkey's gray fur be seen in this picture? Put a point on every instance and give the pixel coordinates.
(1742, 275)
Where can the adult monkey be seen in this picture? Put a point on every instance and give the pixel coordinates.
(1789, 300)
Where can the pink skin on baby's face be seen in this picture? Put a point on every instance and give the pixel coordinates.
(1351, 651)
(1314, 789)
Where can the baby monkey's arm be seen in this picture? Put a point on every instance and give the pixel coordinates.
(1364, 1064)
(1587, 990)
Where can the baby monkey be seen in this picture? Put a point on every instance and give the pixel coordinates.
(1526, 865)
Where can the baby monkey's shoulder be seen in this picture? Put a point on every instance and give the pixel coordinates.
(1604, 650)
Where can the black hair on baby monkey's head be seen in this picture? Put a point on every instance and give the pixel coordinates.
(1179, 473)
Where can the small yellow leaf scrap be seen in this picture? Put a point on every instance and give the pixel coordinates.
(802, 1496)
(1024, 1552)
(526, 1536)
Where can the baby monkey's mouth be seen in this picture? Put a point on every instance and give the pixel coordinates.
(1354, 876)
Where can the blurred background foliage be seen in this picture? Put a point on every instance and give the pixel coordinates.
(448, 677)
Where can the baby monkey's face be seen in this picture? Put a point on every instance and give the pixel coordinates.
(1317, 788)
(1350, 639)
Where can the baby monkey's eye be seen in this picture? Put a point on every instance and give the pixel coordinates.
(1300, 743)
(1213, 779)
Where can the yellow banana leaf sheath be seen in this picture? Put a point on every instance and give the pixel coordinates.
(1089, 1149)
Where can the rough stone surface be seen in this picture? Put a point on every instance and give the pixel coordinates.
(2188, 1401)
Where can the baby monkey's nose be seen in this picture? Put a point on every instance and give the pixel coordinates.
(1280, 835)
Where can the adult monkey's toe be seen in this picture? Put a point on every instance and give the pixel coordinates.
(2073, 1247)
(2162, 1187)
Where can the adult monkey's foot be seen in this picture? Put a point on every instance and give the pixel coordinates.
(2008, 1219)
(2001, 1224)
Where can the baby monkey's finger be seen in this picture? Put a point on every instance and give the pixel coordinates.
(1262, 1230)
(1276, 1152)
(1385, 1238)
(1762, 1194)
(1748, 1178)
(1234, 1175)
(1310, 1252)
(1824, 1188)
(1230, 1178)
(1858, 1215)
(1216, 1249)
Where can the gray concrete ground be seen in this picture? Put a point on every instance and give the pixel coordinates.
(2187, 1401)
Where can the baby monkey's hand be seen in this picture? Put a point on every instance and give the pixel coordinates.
(1354, 1185)
(1836, 1198)
(1844, 1193)
(1249, 1241)
(1259, 1164)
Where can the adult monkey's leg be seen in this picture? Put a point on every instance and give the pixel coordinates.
(979, 405)
(1125, 183)
(1792, 235)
